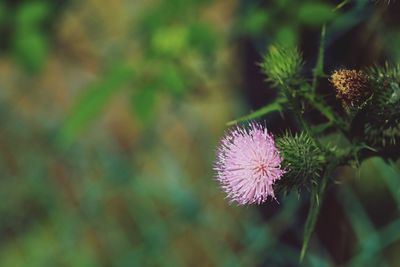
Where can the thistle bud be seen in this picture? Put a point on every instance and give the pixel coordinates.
(282, 64)
(303, 161)
(382, 126)
(352, 87)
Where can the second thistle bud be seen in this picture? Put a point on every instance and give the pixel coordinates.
(303, 161)
(352, 87)
(382, 123)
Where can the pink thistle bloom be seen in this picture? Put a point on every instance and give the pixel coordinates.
(248, 164)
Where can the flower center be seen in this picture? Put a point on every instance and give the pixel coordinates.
(261, 169)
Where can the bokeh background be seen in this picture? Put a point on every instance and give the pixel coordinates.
(110, 113)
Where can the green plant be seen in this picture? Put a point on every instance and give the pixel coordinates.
(371, 100)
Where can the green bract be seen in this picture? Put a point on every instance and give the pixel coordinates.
(303, 161)
(282, 64)
(382, 116)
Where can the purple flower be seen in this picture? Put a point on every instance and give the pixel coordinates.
(248, 164)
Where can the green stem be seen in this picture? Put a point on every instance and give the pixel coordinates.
(333, 118)
(294, 105)
(319, 67)
(318, 102)
(317, 197)
(342, 4)
(275, 106)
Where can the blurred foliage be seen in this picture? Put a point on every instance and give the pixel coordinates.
(282, 21)
(25, 31)
(88, 107)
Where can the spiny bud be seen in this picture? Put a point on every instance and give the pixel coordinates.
(303, 161)
(382, 126)
(352, 87)
(282, 64)
(384, 75)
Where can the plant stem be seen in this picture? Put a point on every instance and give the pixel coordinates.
(342, 4)
(333, 118)
(295, 106)
(319, 67)
(317, 197)
(277, 105)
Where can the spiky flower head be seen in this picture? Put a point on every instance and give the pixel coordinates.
(351, 87)
(303, 161)
(282, 64)
(382, 127)
(248, 164)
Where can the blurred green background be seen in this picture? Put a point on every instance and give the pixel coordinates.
(110, 114)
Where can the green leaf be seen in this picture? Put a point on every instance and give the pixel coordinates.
(30, 15)
(287, 35)
(30, 49)
(272, 107)
(170, 41)
(173, 80)
(318, 129)
(29, 42)
(255, 21)
(202, 37)
(316, 14)
(91, 102)
(143, 103)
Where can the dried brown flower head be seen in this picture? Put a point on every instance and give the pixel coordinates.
(351, 87)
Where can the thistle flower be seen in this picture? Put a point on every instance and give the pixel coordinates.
(351, 87)
(248, 164)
